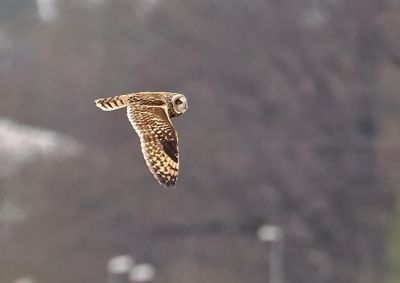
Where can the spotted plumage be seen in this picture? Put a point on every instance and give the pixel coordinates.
(150, 114)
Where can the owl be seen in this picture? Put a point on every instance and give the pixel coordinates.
(150, 114)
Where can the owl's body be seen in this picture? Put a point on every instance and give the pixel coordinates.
(149, 114)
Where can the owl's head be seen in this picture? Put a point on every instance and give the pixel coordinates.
(179, 103)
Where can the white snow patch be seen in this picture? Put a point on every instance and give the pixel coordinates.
(20, 144)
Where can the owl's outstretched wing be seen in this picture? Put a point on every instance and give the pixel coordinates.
(158, 139)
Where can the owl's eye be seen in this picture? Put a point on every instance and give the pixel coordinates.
(178, 102)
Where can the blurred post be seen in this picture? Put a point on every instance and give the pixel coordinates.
(274, 236)
(118, 269)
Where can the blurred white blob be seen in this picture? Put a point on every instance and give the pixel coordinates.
(25, 280)
(47, 10)
(142, 273)
(269, 233)
(120, 264)
(20, 144)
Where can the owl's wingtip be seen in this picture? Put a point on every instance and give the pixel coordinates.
(169, 184)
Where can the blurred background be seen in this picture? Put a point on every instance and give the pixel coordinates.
(293, 123)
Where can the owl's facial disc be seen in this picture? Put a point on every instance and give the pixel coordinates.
(180, 103)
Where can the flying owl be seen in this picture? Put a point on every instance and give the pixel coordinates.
(150, 114)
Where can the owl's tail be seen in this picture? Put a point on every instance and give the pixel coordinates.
(112, 103)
